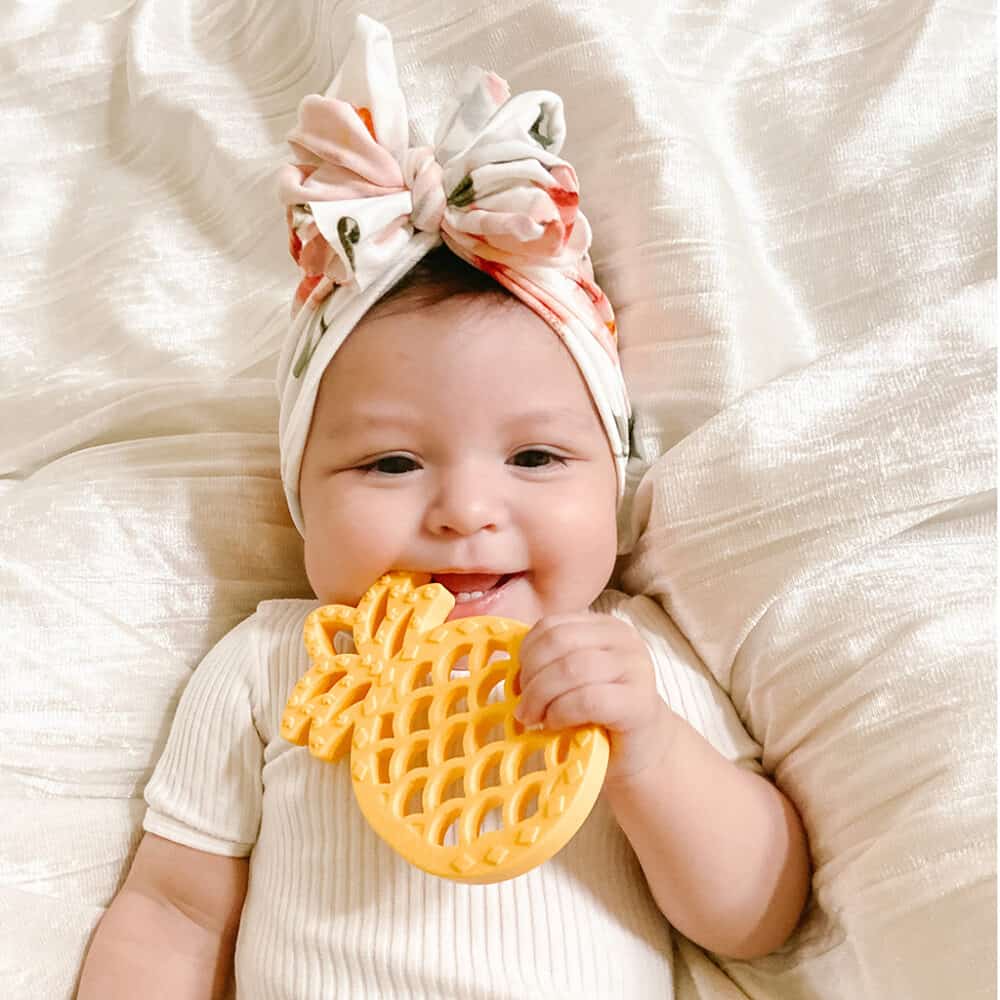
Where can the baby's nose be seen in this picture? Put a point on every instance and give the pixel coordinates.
(465, 502)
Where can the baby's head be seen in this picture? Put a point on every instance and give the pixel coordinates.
(458, 411)
(453, 434)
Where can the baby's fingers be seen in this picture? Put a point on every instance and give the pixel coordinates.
(555, 679)
(610, 705)
(560, 635)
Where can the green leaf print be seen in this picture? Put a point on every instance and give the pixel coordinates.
(310, 349)
(536, 133)
(463, 194)
(349, 233)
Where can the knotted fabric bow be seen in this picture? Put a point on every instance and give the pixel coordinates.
(364, 206)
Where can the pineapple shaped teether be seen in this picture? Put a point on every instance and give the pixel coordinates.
(441, 769)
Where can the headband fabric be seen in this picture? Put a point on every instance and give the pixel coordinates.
(363, 206)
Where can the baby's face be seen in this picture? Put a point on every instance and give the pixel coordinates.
(459, 439)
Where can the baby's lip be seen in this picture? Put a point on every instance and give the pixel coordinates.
(462, 583)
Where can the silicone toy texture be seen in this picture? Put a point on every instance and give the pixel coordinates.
(441, 769)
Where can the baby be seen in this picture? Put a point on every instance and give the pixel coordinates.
(456, 410)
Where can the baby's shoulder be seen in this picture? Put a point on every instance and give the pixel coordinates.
(277, 622)
(631, 607)
(273, 611)
(273, 624)
(266, 651)
(656, 628)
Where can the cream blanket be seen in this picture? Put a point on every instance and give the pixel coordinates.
(794, 213)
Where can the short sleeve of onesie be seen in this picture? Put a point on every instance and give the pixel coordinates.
(205, 792)
(684, 682)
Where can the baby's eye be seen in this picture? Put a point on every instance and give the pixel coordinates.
(536, 458)
(391, 465)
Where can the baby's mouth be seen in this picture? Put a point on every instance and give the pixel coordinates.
(470, 586)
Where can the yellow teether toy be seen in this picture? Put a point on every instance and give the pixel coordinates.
(443, 772)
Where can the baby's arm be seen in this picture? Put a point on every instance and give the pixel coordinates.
(722, 849)
(171, 930)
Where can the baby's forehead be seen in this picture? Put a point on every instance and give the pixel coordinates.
(496, 340)
(452, 366)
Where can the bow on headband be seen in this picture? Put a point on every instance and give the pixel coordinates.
(363, 206)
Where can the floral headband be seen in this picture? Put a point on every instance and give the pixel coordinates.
(364, 206)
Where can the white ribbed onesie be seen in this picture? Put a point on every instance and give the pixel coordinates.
(332, 912)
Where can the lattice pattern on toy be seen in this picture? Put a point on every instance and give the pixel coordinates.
(441, 768)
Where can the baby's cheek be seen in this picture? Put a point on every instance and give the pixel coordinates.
(362, 542)
(566, 578)
(329, 554)
(320, 568)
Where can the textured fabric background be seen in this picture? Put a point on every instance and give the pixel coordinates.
(794, 210)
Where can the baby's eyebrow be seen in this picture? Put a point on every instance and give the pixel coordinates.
(371, 419)
(559, 416)
(364, 419)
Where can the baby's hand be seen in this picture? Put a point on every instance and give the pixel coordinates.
(588, 668)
